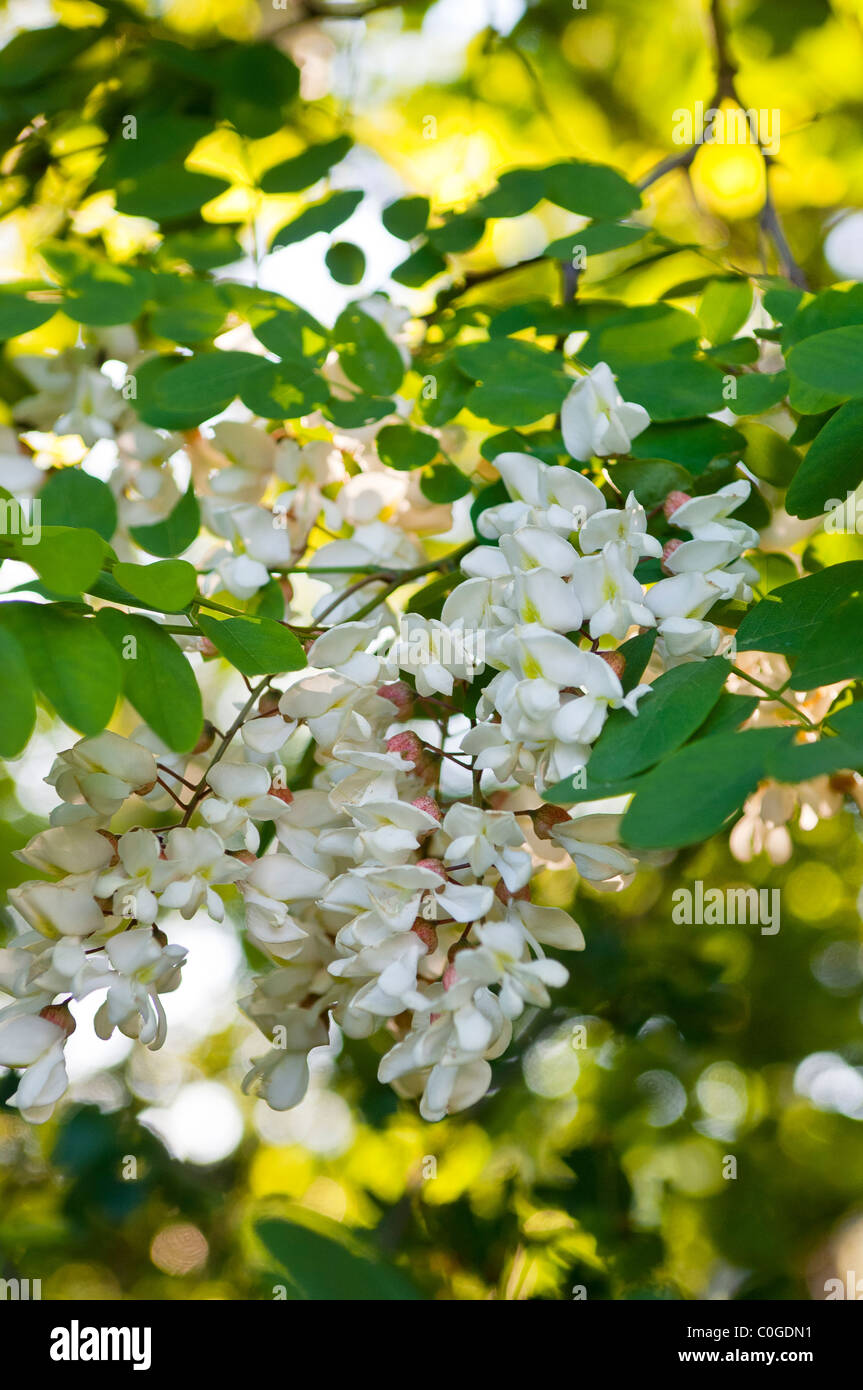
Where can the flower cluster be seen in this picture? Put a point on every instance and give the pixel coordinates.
(395, 888)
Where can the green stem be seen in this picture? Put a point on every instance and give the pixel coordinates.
(774, 695)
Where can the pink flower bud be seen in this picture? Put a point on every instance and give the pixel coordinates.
(426, 933)
(616, 660)
(673, 501)
(61, 1015)
(667, 551)
(545, 817)
(400, 695)
(437, 866)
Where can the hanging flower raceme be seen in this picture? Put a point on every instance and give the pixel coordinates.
(393, 889)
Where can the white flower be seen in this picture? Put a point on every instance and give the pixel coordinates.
(68, 908)
(502, 959)
(68, 849)
(591, 842)
(198, 858)
(486, 839)
(281, 1077)
(435, 654)
(145, 969)
(242, 797)
(141, 874)
(35, 1044)
(706, 517)
(627, 524)
(610, 595)
(595, 419)
(559, 499)
(103, 771)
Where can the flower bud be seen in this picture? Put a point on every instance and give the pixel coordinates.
(674, 500)
(426, 933)
(430, 806)
(437, 866)
(667, 551)
(411, 748)
(401, 696)
(60, 1014)
(616, 660)
(545, 817)
(503, 895)
(208, 733)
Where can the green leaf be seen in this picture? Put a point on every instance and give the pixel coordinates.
(832, 467)
(205, 385)
(831, 362)
(445, 391)
(106, 294)
(728, 713)
(819, 313)
(650, 479)
(67, 558)
(406, 217)
(404, 448)
(73, 498)
(19, 700)
(787, 619)
(677, 706)
(323, 216)
(189, 311)
(359, 410)
(516, 192)
(70, 662)
(724, 307)
(157, 678)
(293, 175)
(520, 383)
(595, 240)
(444, 483)
(324, 1261)
(459, 233)
(758, 392)
(641, 334)
(636, 653)
(572, 791)
(255, 83)
(167, 193)
(346, 263)
(283, 390)
(19, 313)
(768, 455)
(695, 792)
(368, 356)
(255, 646)
(691, 443)
(673, 390)
(593, 190)
(204, 249)
(292, 333)
(169, 585)
(175, 533)
(834, 651)
(32, 55)
(420, 267)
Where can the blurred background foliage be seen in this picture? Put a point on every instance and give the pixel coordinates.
(601, 1162)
